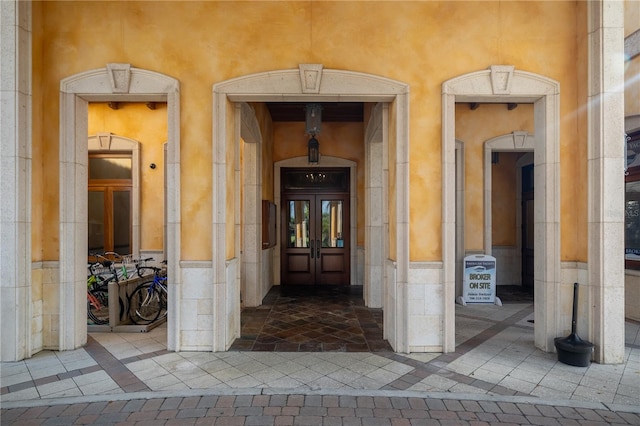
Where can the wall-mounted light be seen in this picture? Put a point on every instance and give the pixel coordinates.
(313, 122)
(314, 150)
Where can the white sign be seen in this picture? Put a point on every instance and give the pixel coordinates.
(479, 281)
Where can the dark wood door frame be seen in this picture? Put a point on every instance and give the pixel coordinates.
(315, 234)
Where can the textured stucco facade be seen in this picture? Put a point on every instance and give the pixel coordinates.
(416, 66)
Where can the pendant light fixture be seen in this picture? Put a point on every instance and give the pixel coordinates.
(313, 121)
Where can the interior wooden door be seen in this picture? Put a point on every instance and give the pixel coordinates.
(110, 202)
(315, 247)
(109, 219)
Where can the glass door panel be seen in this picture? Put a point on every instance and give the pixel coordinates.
(332, 223)
(109, 219)
(96, 221)
(122, 221)
(316, 249)
(298, 223)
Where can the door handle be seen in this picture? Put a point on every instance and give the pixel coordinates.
(318, 249)
(312, 249)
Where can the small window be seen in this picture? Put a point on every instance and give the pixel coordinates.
(110, 167)
(332, 180)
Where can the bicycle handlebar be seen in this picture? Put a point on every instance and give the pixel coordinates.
(100, 259)
(141, 266)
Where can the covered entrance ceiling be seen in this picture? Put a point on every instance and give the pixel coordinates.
(331, 111)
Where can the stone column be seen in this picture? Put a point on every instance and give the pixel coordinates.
(253, 283)
(606, 180)
(15, 180)
(374, 195)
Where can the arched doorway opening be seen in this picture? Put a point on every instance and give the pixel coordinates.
(515, 262)
(105, 144)
(114, 83)
(303, 85)
(501, 83)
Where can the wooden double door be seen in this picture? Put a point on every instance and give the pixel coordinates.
(315, 220)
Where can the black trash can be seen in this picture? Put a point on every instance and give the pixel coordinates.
(572, 350)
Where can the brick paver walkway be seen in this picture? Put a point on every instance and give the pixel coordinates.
(314, 410)
(495, 376)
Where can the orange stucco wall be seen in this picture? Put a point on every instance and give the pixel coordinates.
(503, 199)
(39, 210)
(574, 152)
(419, 43)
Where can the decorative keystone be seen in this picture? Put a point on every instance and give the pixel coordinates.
(501, 77)
(310, 76)
(120, 77)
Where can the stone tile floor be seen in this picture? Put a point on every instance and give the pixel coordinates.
(494, 360)
(312, 319)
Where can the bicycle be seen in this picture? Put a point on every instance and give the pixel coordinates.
(102, 271)
(148, 302)
(123, 260)
(97, 295)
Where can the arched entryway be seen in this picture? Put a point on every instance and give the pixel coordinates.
(515, 261)
(105, 143)
(311, 83)
(501, 83)
(114, 83)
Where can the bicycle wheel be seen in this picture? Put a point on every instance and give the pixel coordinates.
(163, 300)
(165, 303)
(98, 307)
(145, 304)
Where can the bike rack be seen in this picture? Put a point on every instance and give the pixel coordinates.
(118, 291)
